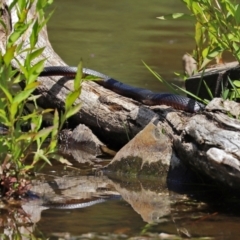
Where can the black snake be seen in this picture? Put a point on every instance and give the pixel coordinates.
(140, 94)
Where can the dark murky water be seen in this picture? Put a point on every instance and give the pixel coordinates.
(114, 37)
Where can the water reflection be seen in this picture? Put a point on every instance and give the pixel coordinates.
(146, 208)
(145, 201)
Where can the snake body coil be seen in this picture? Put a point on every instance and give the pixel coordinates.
(140, 94)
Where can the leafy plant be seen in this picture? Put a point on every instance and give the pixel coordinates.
(17, 147)
(217, 28)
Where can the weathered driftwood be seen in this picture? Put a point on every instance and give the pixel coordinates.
(211, 142)
(208, 141)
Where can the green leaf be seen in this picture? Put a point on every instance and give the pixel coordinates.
(13, 3)
(43, 23)
(214, 52)
(236, 83)
(48, 110)
(205, 52)
(47, 133)
(32, 85)
(225, 94)
(16, 79)
(34, 97)
(36, 53)
(209, 55)
(7, 93)
(64, 161)
(78, 77)
(29, 116)
(4, 118)
(43, 157)
(55, 128)
(22, 68)
(199, 34)
(35, 70)
(21, 5)
(237, 13)
(41, 5)
(13, 109)
(9, 55)
(36, 122)
(43, 133)
(73, 110)
(71, 98)
(237, 94)
(23, 95)
(26, 169)
(208, 90)
(17, 33)
(40, 155)
(206, 61)
(25, 136)
(56, 118)
(34, 34)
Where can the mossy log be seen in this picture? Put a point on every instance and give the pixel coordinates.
(207, 141)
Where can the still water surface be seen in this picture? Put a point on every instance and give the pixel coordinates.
(114, 37)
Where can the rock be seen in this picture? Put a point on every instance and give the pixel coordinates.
(148, 153)
(82, 145)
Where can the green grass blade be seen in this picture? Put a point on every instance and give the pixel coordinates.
(167, 84)
(208, 90)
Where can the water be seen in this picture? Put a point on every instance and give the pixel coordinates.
(114, 37)
(145, 210)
